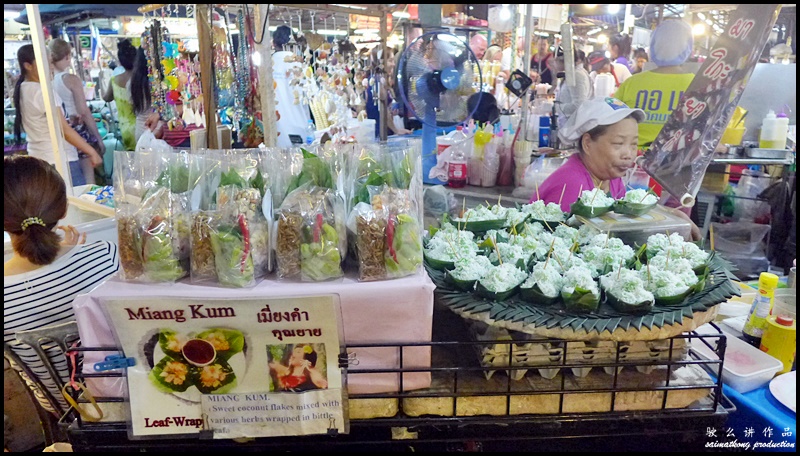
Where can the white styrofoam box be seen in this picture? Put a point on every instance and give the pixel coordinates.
(745, 367)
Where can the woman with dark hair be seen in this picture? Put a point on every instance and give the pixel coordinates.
(298, 371)
(140, 92)
(119, 90)
(483, 106)
(45, 272)
(32, 118)
(620, 50)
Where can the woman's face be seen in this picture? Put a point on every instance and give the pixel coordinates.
(298, 356)
(613, 152)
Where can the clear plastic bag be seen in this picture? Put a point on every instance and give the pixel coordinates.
(151, 241)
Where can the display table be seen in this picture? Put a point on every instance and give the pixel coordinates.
(392, 311)
(759, 410)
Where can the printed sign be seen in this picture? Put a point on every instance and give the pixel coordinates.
(685, 146)
(240, 368)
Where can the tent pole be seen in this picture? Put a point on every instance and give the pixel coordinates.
(269, 120)
(203, 16)
(383, 86)
(52, 112)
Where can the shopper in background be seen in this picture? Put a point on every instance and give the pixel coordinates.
(292, 117)
(140, 94)
(483, 107)
(620, 49)
(119, 90)
(542, 62)
(32, 118)
(658, 92)
(70, 88)
(603, 77)
(45, 272)
(478, 45)
(639, 59)
(384, 79)
(568, 98)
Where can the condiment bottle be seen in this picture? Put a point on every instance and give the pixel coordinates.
(762, 305)
(780, 340)
(773, 131)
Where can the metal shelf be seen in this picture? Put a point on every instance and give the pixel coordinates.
(745, 160)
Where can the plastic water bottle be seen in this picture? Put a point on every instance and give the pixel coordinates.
(457, 170)
(311, 131)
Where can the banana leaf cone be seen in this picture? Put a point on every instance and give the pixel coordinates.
(534, 295)
(639, 308)
(481, 291)
(580, 301)
(463, 285)
(578, 208)
(631, 208)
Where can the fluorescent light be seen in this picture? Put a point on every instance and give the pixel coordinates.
(8, 14)
(591, 40)
(332, 32)
(594, 31)
(613, 9)
(590, 6)
(361, 8)
(699, 29)
(602, 39)
(401, 15)
(701, 16)
(366, 31)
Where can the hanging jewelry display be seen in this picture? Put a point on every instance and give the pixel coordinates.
(224, 81)
(252, 127)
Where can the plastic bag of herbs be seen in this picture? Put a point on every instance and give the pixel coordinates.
(310, 240)
(235, 223)
(152, 215)
(386, 198)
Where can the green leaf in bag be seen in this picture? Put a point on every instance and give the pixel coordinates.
(232, 178)
(258, 182)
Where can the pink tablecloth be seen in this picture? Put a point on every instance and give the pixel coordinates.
(393, 311)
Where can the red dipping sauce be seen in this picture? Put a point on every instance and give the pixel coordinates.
(199, 352)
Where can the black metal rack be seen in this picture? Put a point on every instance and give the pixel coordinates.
(454, 370)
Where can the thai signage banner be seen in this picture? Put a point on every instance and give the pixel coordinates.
(685, 146)
(237, 368)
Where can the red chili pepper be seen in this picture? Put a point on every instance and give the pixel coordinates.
(390, 237)
(318, 228)
(246, 236)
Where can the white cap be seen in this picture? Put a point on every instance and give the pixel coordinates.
(595, 112)
(671, 43)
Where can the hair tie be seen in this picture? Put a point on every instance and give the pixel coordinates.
(31, 221)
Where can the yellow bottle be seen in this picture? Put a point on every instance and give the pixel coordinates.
(780, 340)
(762, 305)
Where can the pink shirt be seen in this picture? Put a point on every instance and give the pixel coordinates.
(569, 178)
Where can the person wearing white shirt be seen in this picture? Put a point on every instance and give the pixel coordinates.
(31, 117)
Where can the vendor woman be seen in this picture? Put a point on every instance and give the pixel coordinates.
(605, 131)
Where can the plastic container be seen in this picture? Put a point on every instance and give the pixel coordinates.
(544, 131)
(745, 367)
(636, 230)
(762, 307)
(740, 237)
(773, 131)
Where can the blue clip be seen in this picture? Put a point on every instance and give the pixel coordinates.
(114, 362)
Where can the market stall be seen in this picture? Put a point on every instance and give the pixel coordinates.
(502, 324)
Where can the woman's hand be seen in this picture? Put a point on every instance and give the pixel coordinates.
(71, 235)
(696, 234)
(95, 159)
(152, 121)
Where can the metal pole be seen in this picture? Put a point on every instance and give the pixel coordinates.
(50, 108)
(383, 82)
(526, 64)
(269, 119)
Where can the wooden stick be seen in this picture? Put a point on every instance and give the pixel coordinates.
(549, 252)
(645, 195)
(711, 236)
(537, 190)
(619, 271)
(499, 197)
(558, 261)
(593, 196)
(666, 263)
(452, 246)
(668, 239)
(499, 258)
(563, 189)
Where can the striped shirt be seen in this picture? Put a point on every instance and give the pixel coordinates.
(43, 297)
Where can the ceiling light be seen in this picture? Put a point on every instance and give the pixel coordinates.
(699, 29)
(602, 39)
(590, 6)
(401, 15)
(355, 7)
(505, 13)
(8, 14)
(613, 9)
(332, 32)
(701, 16)
(366, 31)
(594, 31)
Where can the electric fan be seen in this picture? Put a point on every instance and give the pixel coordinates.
(436, 74)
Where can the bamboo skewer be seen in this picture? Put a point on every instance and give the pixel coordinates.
(563, 189)
(711, 236)
(537, 191)
(499, 258)
(619, 271)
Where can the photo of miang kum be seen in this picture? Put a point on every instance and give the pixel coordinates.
(188, 365)
(297, 367)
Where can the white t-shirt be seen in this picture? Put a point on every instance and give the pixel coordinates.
(34, 123)
(294, 117)
(622, 72)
